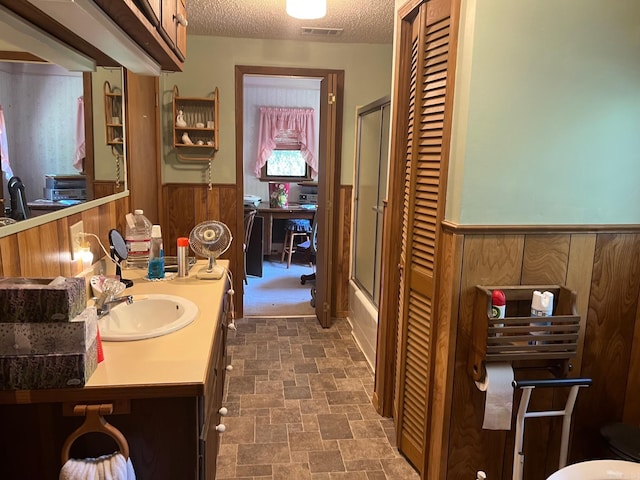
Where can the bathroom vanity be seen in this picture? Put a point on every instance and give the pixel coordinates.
(166, 394)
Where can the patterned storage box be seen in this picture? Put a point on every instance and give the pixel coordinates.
(37, 300)
(75, 336)
(53, 370)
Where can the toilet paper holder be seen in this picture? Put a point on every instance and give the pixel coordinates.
(516, 338)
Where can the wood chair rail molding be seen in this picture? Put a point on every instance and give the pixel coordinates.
(459, 229)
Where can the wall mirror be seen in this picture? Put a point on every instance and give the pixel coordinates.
(43, 108)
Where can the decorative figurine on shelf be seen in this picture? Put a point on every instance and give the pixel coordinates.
(185, 139)
(180, 119)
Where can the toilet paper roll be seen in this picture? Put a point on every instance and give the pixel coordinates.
(498, 383)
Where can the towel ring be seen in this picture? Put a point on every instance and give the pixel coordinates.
(95, 422)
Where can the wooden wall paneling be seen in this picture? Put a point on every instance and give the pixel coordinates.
(104, 188)
(210, 208)
(180, 203)
(45, 250)
(39, 251)
(68, 268)
(448, 296)
(579, 272)
(486, 260)
(142, 134)
(579, 269)
(631, 412)
(545, 259)
(342, 267)
(606, 358)
(10, 256)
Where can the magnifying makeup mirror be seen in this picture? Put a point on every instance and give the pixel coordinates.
(119, 253)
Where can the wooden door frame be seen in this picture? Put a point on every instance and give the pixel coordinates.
(334, 166)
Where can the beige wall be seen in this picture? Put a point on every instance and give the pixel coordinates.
(211, 63)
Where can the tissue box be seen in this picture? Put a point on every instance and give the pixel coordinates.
(37, 300)
(53, 370)
(75, 336)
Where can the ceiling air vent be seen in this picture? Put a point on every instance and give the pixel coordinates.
(321, 31)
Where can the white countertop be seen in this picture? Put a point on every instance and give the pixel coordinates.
(181, 357)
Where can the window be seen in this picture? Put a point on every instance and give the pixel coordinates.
(286, 161)
(287, 164)
(286, 149)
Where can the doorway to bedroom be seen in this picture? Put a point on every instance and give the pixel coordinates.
(279, 291)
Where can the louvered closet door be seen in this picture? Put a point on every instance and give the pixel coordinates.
(423, 201)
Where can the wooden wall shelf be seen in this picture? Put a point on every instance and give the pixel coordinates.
(519, 337)
(114, 132)
(201, 117)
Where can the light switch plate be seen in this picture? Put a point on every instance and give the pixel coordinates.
(74, 237)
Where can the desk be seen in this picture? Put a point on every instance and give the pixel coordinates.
(269, 214)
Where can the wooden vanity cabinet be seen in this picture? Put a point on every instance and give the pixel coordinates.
(211, 406)
(170, 429)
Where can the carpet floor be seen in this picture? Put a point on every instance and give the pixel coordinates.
(299, 401)
(279, 291)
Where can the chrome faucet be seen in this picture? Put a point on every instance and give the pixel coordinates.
(107, 300)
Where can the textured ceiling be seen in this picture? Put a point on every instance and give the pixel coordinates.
(362, 21)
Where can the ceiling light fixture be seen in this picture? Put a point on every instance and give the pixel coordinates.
(307, 9)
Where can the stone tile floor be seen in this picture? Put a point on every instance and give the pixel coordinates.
(299, 401)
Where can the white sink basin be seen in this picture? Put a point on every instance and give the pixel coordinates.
(149, 316)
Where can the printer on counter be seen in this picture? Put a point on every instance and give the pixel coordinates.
(308, 193)
(65, 187)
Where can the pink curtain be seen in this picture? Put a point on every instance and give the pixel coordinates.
(4, 147)
(80, 145)
(295, 123)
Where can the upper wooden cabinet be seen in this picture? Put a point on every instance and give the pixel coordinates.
(173, 26)
(157, 26)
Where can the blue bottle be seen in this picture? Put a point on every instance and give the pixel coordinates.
(156, 254)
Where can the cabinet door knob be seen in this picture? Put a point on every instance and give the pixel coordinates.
(223, 411)
(180, 18)
(221, 428)
(229, 368)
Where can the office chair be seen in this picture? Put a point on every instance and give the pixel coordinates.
(19, 208)
(312, 245)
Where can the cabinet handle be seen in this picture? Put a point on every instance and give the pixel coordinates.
(180, 18)
(229, 368)
(221, 428)
(223, 411)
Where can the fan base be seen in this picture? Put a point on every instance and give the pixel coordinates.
(216, 273)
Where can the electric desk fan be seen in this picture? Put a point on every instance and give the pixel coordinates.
(210, 239)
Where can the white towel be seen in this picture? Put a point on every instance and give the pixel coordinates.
(106, 467)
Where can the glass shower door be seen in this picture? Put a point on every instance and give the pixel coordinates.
(369, 194)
